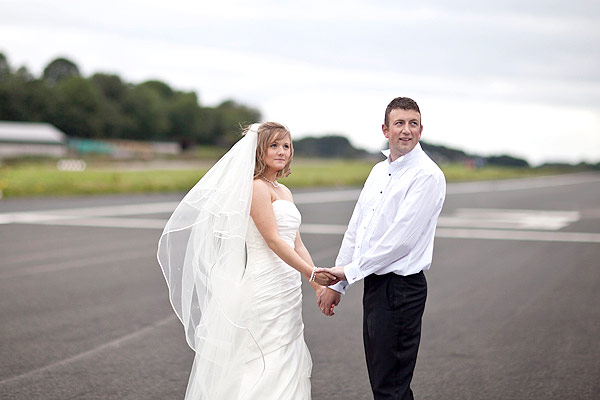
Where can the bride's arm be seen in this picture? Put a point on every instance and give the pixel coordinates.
(262, 213)
(305, 255)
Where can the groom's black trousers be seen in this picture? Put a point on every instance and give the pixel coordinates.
(393, 306)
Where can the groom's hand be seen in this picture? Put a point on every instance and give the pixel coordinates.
(325, 278)
(327, 299)
(338, 272)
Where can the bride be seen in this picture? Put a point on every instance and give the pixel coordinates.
(233, 259)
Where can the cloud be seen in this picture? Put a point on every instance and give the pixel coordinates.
(333, 66)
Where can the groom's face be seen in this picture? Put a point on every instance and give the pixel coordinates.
(403, 131)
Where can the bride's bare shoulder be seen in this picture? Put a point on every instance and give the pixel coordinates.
(260, 186)
(288, 192)
(261, 193)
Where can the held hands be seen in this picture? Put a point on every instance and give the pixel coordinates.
(327, 299)
(323, 278)
(337, 272)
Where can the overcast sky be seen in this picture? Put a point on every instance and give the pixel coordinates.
(520, 76)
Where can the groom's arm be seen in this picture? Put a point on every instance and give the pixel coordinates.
(346, 253)
(420, 208)
(347, 248)
(329, 297)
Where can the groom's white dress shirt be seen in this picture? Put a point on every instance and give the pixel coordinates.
(393, 224)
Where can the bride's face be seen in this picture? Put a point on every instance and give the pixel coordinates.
(278, 152)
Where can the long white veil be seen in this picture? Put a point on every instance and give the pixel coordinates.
(202, 254)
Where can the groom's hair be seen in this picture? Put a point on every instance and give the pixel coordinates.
(404, 103)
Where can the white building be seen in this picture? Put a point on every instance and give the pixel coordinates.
(31, 138)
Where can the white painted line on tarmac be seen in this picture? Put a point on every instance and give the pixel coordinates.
(492, 234)
(330, 229)
(327, 197)
(119, 257)
(521, 183)
(448, 227)
(75, 214)
(70, 213)
(323, 229)
(113, 344)
(508, 219)
(107, 222)
(300, 198)
(496, 234)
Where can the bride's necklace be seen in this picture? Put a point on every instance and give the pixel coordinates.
(275, 184)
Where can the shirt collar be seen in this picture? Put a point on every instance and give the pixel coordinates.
(404, 160)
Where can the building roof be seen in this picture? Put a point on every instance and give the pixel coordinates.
(30, 132)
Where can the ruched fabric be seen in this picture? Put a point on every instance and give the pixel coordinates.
(276, 362)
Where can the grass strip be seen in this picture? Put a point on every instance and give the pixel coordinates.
(47, 180)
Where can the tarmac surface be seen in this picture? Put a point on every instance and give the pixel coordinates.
(513, 308)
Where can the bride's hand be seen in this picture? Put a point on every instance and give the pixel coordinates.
(336, 272)
(324, 278)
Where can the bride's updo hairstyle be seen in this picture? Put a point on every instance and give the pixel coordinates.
(268, 132)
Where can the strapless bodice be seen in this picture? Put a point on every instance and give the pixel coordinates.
(274, 294)
(288, 221)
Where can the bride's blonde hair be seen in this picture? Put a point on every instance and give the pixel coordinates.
(268, 132)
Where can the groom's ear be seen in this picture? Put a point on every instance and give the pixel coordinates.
(385, 131)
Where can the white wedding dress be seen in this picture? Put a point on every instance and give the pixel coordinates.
(274, 361)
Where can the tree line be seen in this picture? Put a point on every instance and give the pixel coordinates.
(104, 106)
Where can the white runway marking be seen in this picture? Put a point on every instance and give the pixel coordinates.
(73, 216)
(508, 219)
(110, 345)
(497, 234)
(73, 213)
(120, 257)
(500, 224)
(331, 229)
(521, 183)
(575, 237)
(323, 229)
(300, 198)
(107, 222)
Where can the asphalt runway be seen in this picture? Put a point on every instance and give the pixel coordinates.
(512, 313)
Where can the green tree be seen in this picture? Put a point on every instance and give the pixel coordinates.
(4, 67)
(147, 114)
(327, 146)
(185, 118)
(111, 86)
(60, 69)
(10, 93)
(507, 161)
(228, 119)
(24, 75)
(104, 106)
(115, 122)
(161, 88)
(37, 101)
(78, 103)
(11, 98)
(22, 97)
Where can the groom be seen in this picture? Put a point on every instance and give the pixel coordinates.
(389, 243)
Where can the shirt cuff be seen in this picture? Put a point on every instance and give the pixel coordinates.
(352, 272)
(340, 287)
